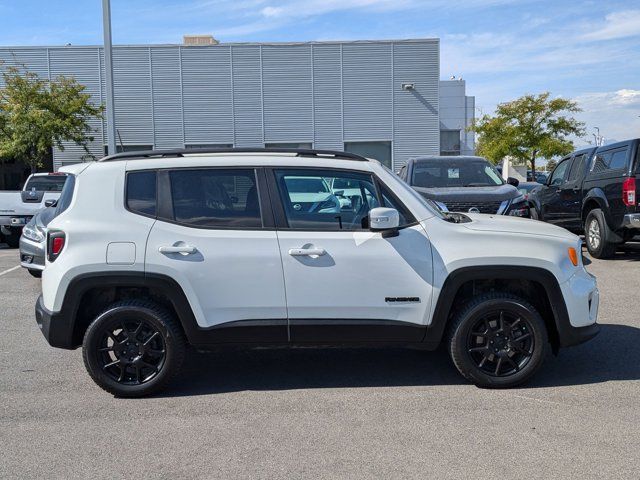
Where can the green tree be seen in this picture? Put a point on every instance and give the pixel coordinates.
(37, 114)
(551, 164)
(530, 127)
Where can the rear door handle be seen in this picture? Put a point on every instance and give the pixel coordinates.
(184, 249)
(299, 252)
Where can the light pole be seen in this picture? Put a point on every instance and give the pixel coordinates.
(108, 68)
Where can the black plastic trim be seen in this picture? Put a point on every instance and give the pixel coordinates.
(339, 331)
(567, 334)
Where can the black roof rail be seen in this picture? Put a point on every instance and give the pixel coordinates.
(180, 152)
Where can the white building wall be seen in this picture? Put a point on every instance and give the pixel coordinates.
(457, 113)
(321, 93)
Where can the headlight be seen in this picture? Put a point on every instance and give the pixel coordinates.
(32, 233)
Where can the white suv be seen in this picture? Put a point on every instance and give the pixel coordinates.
(157, 250)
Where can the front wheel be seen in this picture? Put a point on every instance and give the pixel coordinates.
(597, 233)
(498, 340)
(134, 348)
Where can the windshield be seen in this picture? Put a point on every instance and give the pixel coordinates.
(454, 173)
(50, 183)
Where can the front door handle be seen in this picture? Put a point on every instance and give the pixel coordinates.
(310, 252)
(183, 249)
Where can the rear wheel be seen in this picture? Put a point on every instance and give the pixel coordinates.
(134, 348)
(597, 234)
(534, 212)
(498, 340)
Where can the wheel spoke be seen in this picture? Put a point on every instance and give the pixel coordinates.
(138, 329)
(154, 351)
(150, 338)
(501, 320)
(148, 365)
(522, 337)
(483, 361)
(112, 364)
(478, 349)
(518, 320)
(106, 349)
(138, 377)
(510, 360)
(498, 365)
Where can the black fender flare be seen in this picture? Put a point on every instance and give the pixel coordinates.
(161, 284)
(597, 195)
(443, 308)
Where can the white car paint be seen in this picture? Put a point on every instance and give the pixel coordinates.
(243, 274)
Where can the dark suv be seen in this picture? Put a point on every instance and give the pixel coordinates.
(464, 184)
(593, 191)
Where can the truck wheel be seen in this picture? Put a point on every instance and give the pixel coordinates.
(533, 211)
(134, 348)
(497, 340)
(597, 233)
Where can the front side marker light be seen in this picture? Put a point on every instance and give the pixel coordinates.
(573, 256)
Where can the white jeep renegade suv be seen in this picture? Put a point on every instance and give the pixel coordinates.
(157, 250)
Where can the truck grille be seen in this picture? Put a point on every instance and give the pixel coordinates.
(483, 207)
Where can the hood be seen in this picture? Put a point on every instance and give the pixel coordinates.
(507, 224)
(494, 193)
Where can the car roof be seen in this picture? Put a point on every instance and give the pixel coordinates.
(617, 144)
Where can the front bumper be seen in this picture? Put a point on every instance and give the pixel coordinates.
(56, 327)
(32, 254)
(582, 299)
(631, 220)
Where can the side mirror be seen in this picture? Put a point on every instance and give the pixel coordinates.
(384, 220)
(50, 203)
(513, 181)
(338, 193)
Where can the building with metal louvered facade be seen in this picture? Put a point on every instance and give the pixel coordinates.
(378, 98)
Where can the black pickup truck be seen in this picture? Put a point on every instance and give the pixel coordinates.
(593, 191)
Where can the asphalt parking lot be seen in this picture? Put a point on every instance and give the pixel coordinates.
(325, 413)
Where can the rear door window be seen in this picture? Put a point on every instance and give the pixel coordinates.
(141, 193)
(578, 167)
(216, 198)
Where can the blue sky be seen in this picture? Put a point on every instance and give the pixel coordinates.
(588, 51)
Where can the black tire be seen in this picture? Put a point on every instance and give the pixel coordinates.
(35, 273)
(134, 348)
(597, 234)
(517, 352)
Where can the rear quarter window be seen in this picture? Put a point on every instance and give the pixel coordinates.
(141, 193)
(67, 195)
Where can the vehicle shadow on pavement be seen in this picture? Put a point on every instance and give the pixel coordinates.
(612, 355)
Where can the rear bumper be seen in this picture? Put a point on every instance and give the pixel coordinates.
(32, 254)
(631, 220)
(15, 221)
(56, 327)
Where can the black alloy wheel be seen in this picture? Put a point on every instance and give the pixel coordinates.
(497, 340)
(501, 343)
(134, 348)
(131, 351)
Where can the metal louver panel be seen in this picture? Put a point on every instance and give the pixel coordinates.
(34, 59)
(366, 70)
(132, 95)
(84, 65)
(286, 84)
(247, 96)
(415, 112)
(327, 97)
(167, 97)
(206, 88)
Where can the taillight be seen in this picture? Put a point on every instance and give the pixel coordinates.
(55, 245)
(629, 191)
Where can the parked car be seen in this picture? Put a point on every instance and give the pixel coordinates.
(593, 191)
(33, 242)
(17, 208)
(526, 188)
(538, 177)
(166, 263)
(464, 184)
